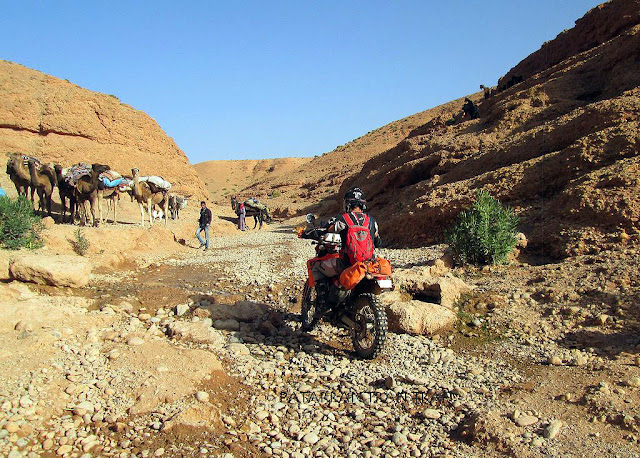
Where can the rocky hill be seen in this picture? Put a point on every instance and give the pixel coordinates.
(558, 142)
(561, 147)
(61, 122)
(319, 179)
(225, 178)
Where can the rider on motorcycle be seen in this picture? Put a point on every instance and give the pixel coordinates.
(354, 206)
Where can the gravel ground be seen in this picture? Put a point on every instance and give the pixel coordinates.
(506, 386)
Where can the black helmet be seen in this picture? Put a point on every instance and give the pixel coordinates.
(354, 197)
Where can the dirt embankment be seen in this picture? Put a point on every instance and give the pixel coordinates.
(58, 121)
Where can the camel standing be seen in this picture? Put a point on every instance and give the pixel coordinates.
(143, 194)
(19, 174)
(65, 191)
(86, 190)
(112, 195)
(43, 179)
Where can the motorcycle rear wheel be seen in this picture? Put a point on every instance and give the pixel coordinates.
(309, 311)
(371, 326)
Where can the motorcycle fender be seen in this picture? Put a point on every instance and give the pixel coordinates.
(366, 286)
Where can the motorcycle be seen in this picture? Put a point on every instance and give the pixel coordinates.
(359, 309)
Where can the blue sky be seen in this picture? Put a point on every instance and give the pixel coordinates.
(263, 79)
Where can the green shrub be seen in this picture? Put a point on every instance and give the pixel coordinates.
(80, 243)
(19, 225)
(484, 234)
(276, 194)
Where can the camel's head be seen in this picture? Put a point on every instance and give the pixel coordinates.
(14, 163)
(99, 168)
(135, 172)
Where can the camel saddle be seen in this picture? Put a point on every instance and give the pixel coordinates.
(157, 184)
(76, 172)
(26, 159)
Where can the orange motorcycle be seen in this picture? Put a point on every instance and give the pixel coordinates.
(353, 297)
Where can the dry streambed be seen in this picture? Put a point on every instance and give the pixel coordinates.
(200, 355)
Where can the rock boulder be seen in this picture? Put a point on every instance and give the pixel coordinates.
(61, 270)
(417, 317)
(431, 282)
(243, 311)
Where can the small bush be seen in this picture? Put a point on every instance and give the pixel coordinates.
(19, 225)
(80, 243)
(276, 194)
(484, 234)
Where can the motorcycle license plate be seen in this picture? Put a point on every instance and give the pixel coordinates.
(385, 284)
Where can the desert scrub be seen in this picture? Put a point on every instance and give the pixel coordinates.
(275, 194)
(80, 243)
(19, 225)
(484, 234)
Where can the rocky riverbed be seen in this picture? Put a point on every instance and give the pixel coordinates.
(200, 354)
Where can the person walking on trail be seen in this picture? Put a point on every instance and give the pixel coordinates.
(242, 213)
(205, 222)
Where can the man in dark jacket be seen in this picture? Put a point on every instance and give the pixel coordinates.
(205, 221)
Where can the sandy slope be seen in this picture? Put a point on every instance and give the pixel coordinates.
(225, 178)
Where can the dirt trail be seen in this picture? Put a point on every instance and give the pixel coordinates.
(133, 365)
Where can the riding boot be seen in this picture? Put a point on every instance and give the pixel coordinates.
(322, 293)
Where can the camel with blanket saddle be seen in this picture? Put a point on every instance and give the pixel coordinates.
(110, 186)
(150, 191)
(84, 180)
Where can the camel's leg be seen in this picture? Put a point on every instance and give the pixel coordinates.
(63, 207)
(115, 209)
(49, 199)
(73, 209)
(141, 213)
(41, 202)
(150, 208)
(166, 211)
(82, 212)
(100, 199)
(92, 204)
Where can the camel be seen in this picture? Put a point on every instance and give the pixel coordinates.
(177, 203)
(20, 175)
(65, 191)
(43, 179)
(86, 190)
(144, 195)
(112, 195)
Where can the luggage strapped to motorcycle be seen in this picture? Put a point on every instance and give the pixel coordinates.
(354, 274)
(312, 261)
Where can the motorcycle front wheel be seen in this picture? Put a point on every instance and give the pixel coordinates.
(309, 310)
(370, 330)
